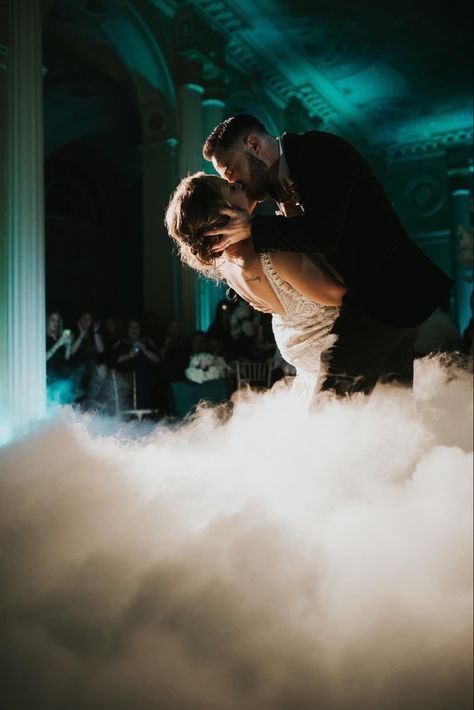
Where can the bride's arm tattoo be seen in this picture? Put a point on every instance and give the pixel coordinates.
(248, 279)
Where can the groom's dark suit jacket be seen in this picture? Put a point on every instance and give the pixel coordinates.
(349, 219)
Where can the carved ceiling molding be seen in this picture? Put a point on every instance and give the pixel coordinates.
(349, 78)
(240, 55)
(4, 60)
(441, 141)
(222, 15)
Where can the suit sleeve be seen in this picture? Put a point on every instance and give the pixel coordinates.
(327, 175)
(271, 233)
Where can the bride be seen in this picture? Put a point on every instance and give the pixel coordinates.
(301, 294)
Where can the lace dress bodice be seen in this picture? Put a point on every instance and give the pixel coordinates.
(304, 330)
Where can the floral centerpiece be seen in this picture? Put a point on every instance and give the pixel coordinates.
(206, 366)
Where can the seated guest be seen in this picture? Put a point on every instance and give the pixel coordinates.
(219, 330)
(174, 352)
(112, 331)
(138, 354)
(244, 330)
(151, 327)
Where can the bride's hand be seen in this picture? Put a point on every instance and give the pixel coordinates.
(236, 230)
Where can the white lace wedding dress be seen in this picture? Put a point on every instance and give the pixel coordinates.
(303, 332)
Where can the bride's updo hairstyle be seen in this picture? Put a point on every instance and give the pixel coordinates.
(194, 207)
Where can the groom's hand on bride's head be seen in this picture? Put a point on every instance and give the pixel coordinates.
(236, 230)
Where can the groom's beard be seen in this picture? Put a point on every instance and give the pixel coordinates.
(256, 187)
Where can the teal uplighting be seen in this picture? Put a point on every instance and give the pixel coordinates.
(59, 393)
(208, 295)
(5, 433)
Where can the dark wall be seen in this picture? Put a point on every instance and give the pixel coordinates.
(93, 234)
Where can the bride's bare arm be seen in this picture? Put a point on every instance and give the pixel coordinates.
(308, 277)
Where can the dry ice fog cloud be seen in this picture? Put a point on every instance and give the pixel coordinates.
(283, 560)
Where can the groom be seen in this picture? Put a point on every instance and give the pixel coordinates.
(332, 205)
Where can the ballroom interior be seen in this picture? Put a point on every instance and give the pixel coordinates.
(105, 105)
(262, 555)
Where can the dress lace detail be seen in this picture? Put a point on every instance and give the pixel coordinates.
(304, 330)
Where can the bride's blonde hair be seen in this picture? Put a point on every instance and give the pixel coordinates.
(194, 207)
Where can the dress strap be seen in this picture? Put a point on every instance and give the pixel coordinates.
(273, 279)
(282, 290)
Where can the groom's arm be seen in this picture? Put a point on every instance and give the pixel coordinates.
(270, 233)
(336, 187)
(277, 233)
(319, 230)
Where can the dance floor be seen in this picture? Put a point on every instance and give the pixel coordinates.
(280, 559)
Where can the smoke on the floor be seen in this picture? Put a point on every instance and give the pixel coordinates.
(278, 561)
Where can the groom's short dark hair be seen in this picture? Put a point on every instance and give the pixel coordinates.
(229, 131)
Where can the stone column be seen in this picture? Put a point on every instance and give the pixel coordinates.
(4, 418)
(22, 258)
(161, 271)
(189, 94)
(461, 200)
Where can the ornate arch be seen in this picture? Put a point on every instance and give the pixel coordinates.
(148, 70)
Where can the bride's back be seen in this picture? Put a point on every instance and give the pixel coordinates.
(309, 278)
(242, 269)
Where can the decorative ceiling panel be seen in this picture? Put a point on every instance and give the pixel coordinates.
(387, 75)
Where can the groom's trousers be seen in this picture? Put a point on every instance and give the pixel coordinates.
(366, 350)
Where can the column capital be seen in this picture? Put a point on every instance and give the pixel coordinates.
(4, 60)
(207, 101)
(171, 144)
(464, 171)
(189, 69)
(460, 184)
(215, 82)
(200, 49)
(192, 32)
(460, 179)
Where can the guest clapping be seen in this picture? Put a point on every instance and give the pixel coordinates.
(89, 342)
(86, 352)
